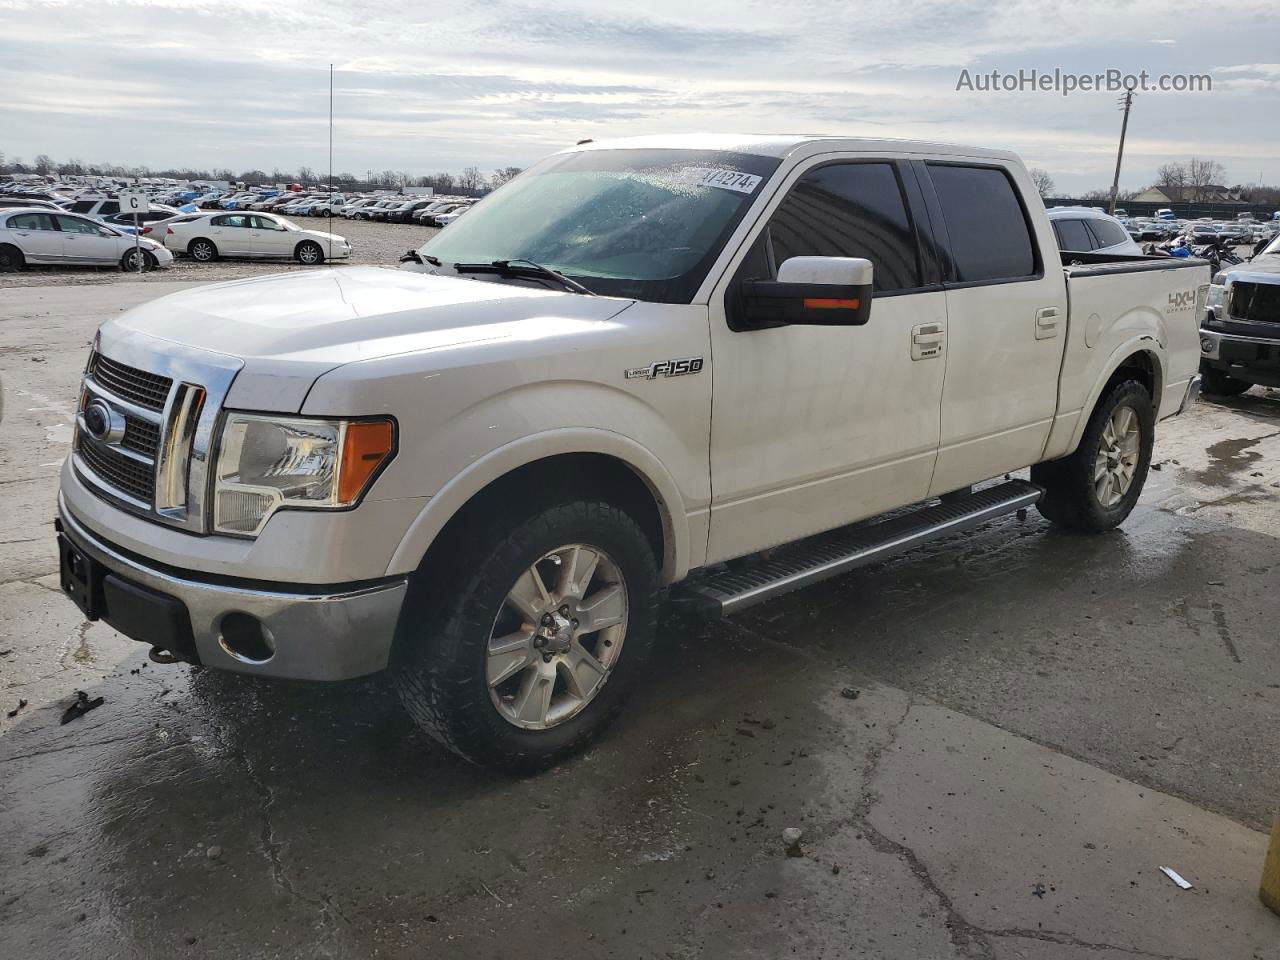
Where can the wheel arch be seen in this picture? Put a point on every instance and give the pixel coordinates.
(1140, 359)
(593, 462)
(196, 239)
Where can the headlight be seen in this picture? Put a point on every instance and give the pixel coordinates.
(270, 463)
(1217, 295)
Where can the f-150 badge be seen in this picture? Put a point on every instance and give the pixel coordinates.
(666, 368)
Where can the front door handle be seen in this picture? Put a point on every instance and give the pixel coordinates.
(927, 340)
(1046, 323)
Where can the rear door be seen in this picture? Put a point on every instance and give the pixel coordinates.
(1006, 320)
(38, 236)
(230, 233)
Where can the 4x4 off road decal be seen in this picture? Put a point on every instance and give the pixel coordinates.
(666, 368)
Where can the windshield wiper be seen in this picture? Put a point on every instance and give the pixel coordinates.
(526, 268)
(413, 256)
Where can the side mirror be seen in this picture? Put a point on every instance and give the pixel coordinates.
(818, 291)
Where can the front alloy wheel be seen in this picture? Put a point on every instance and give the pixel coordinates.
(557, 637)
(510, 647)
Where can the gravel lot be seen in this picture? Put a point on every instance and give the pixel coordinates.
(375, 244)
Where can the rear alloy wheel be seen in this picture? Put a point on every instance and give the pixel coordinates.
(11, 259)
(203, 250)
(1096, 487)
(309, 253)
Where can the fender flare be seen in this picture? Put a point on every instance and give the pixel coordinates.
(483, 471)
(1144, 343)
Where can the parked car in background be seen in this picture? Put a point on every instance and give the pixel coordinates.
(444, 219)
(367, 212)
(349, 209)
(210, 236)
(124, 222)
(1202, 233)
(7, 203)
(1240, 329)
(37, 236)
(1083, 230)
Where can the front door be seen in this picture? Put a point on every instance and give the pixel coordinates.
(84, 241)
(814, 427)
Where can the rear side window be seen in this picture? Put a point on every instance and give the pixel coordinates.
(82, 206)
(990, 237)
(1073, 235)
(1109, 234)
(31, 221)
(850, 210)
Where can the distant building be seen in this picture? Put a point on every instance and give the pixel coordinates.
(1168, 194)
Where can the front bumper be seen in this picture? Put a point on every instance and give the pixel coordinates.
(1254, 359)
(321, 633)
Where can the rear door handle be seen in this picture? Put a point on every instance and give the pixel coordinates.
(1046, 323)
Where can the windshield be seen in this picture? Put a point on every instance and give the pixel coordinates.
(645, 224)
(1273, 246)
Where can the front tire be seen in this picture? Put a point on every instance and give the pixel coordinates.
(309, 254)
(129, 262)
(11, 259)
(1219, 384)
(1096, 488)
(532, 638)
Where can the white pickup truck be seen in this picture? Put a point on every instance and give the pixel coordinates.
(698, 367)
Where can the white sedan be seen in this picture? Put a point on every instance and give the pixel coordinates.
(214, 235)
(36, 236)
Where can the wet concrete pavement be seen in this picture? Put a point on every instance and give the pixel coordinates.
(1042, 720)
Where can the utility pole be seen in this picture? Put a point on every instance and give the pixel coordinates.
(1125, 102)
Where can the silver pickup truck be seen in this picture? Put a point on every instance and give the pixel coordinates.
(632, 366)
(1240, 329)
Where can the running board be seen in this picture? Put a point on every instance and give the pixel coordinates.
(831, 554)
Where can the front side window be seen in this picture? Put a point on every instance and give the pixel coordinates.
(642, 223)
(849, 210)
(988, 230)
(1109, 234)
(76, 225)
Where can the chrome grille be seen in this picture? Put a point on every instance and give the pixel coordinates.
(141, 436)
(149, 390)
(131, 477)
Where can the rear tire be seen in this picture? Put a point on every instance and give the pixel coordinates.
(11, 259)
(1095, 488)
(1214, 381)
(501, 680)
(309, 254)
(202, 250)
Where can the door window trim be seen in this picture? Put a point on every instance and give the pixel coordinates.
(942, 237)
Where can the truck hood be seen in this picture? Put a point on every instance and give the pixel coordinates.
(290, 329)
(1264, 269)
(336, 316)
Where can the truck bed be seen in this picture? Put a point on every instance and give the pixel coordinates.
(1110, 299)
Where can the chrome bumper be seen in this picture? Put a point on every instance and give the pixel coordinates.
(1211, 342)
(327, 634)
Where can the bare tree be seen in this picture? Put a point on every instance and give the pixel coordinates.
(1044, 183)
(43, 163)
(1172, 176)
(306, 175)
(471, 179)
(505, 174)
(1202, 174)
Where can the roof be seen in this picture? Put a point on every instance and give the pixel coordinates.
(780, 146)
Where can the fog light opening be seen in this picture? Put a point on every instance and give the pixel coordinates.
(246, 638)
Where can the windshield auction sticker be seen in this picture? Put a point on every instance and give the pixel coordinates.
(721, 179)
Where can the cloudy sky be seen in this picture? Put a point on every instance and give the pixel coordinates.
(426, 87)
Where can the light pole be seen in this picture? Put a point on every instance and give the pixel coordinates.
(1125, 102)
